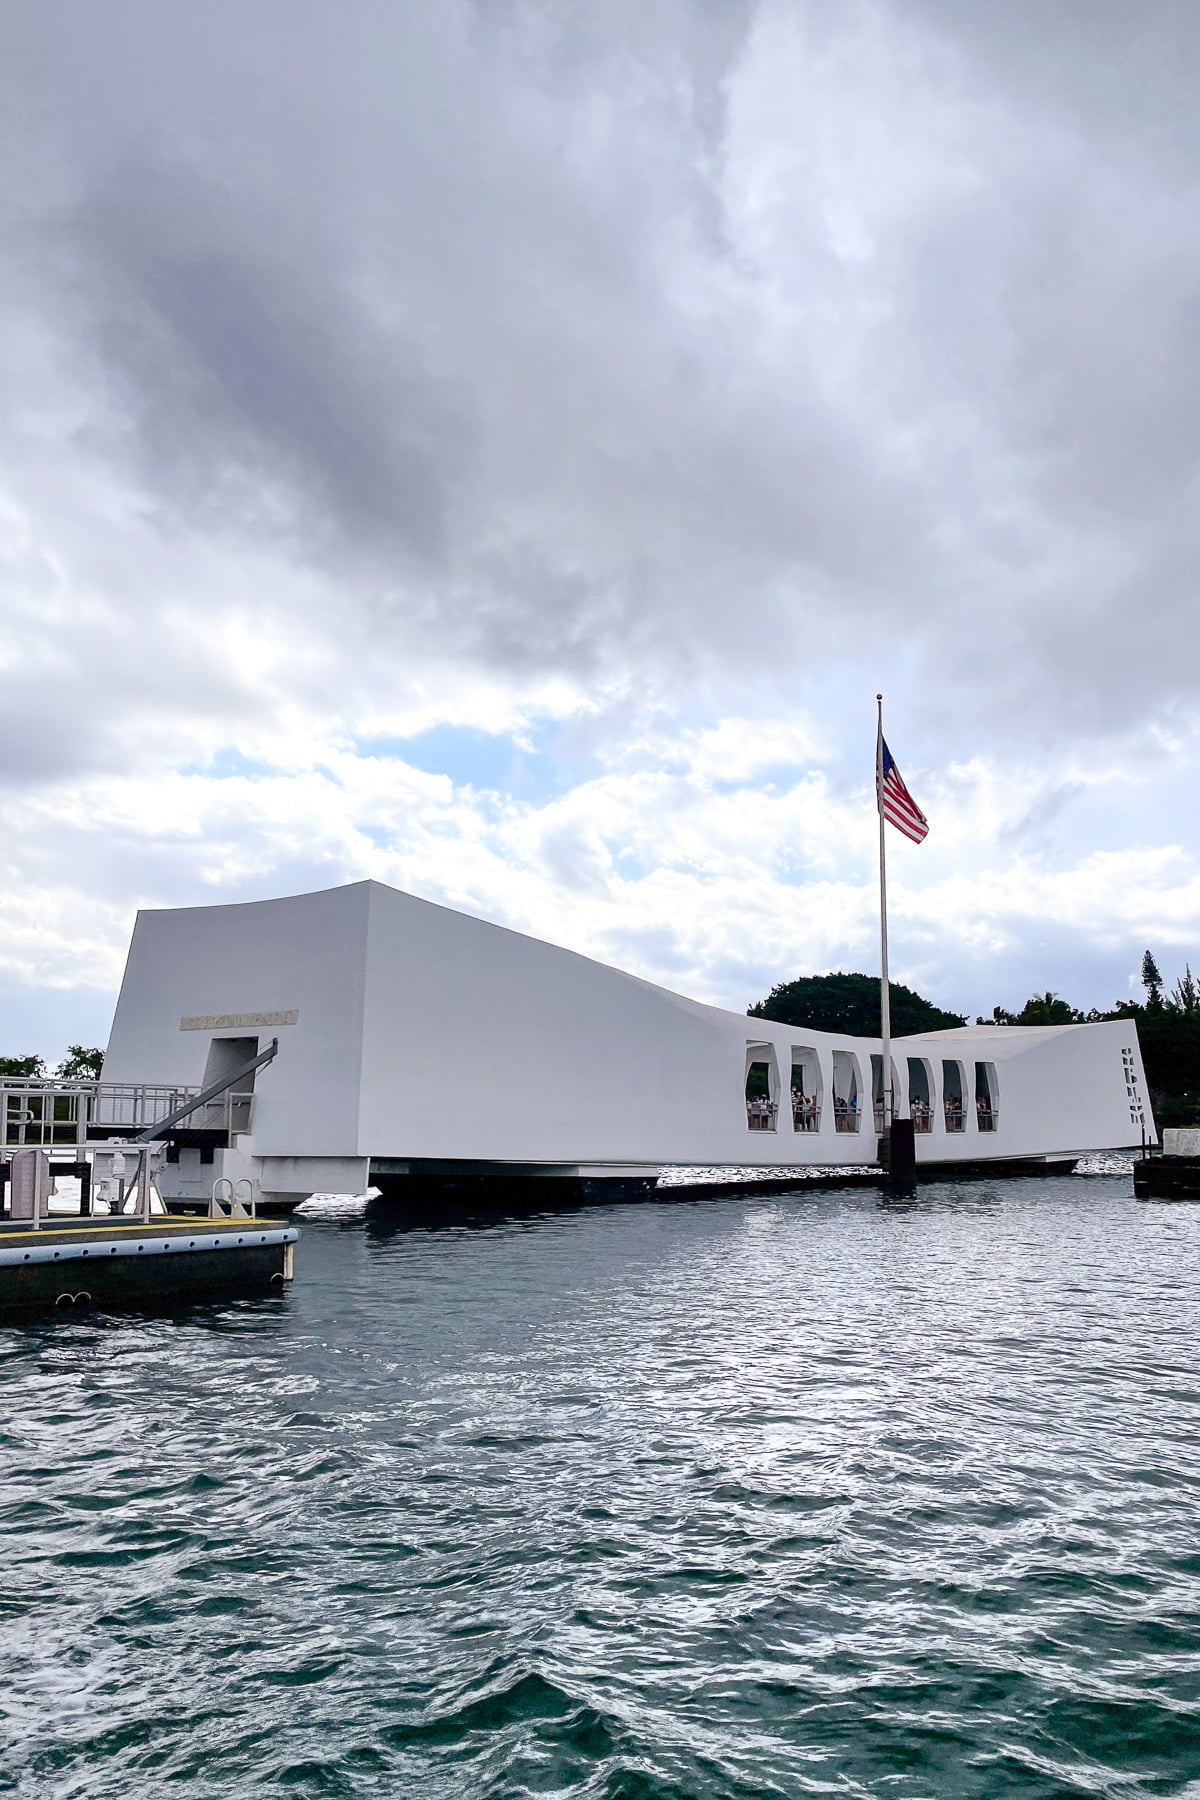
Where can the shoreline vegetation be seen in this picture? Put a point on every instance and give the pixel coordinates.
(1168, 1023)
(79, 1064)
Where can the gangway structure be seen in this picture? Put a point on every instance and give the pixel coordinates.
(56, 1115)
(68, 1119)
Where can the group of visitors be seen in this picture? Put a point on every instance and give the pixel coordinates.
(760, 1114)
(806, 1112)
(845, 1112)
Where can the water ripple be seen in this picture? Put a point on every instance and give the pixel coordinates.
(811, 1495)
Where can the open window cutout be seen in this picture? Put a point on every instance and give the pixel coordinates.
(762, 1087)
(847, 1090)
(987, 1096)
(920, 1093)
(954, 1096)
(877, 1090)
(806, 1088)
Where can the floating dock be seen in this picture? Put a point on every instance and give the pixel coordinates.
(1175, 1175)
(70, 1263)
(117, 1245)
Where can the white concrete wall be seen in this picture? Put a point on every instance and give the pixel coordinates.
(1062, 1089)
(426, 1034)
(305, 954)
(480, 1043)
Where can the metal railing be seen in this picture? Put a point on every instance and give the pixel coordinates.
(760, 1114)
(806, 1115)
(31, 1186)
(228, 1112)
(845, 1118)
(39, 1115)
(921, 1116)
(128, 1105)
(46, 1115)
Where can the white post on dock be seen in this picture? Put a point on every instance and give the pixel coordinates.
(143, 1178)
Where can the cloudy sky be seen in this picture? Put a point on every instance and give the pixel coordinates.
(501, 448)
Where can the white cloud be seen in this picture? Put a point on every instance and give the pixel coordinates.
(644, 386)
(710, 886)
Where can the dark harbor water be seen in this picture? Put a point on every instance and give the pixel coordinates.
(817, 1496)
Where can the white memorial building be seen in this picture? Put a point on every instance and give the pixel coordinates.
(418, 1040)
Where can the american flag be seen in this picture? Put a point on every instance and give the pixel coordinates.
(895, 802)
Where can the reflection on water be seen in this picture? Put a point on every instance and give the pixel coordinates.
(826, 1494)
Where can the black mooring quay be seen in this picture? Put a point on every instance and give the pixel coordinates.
(1167, 1178)
(898, 1156)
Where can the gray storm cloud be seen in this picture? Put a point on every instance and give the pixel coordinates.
(672, 345)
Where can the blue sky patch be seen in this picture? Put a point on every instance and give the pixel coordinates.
(226, 763)
(530, 770)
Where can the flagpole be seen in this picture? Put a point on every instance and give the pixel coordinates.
(885, 1002)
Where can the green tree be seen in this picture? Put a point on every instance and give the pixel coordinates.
(1168, 1031)
(1151, 980)
(27, 1066)
(850, 1003)
(80, 1064)
(1184, 997)
(1039, 1009)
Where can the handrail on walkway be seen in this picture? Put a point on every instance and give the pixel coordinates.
(40, 1113)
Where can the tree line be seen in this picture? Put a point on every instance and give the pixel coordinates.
(1168, 1023)
(79, 1064)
